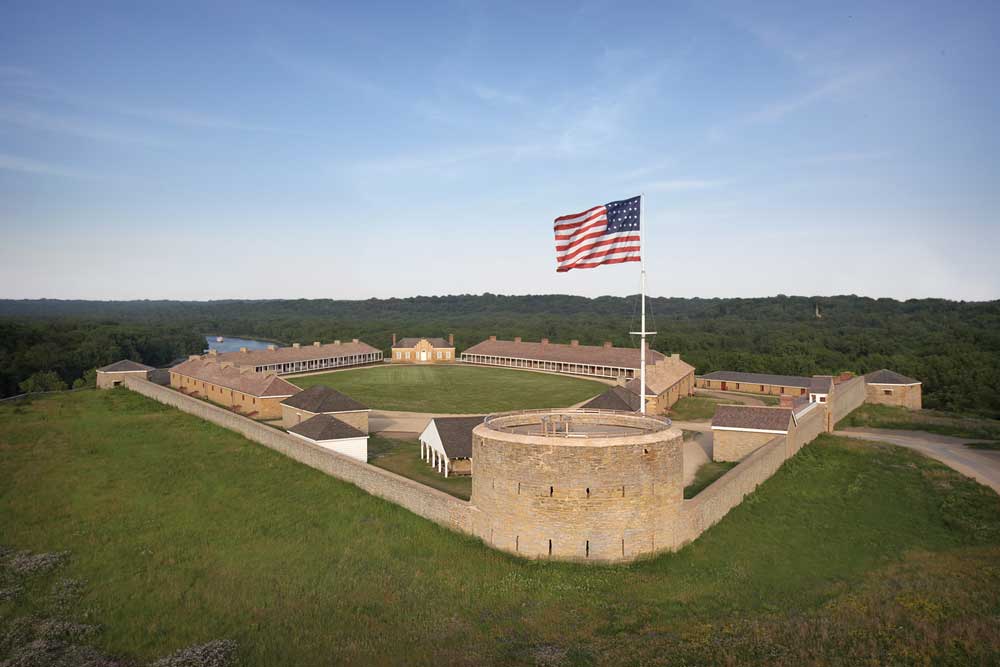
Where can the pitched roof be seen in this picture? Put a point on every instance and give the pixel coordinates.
(124, 366)
(663, 375)
(320, 398)
(759, 378)
(596, 355)
(412, 342)
(261, 385)
(885, 376)
(752, 417)
(615, 398)
(284, 355)
(821, 384)
(325, 427)
(456, 435)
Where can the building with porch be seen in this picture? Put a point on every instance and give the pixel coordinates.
(423, 350)
(605, 360)
(446, 444)
(302, 359)
(257, 395)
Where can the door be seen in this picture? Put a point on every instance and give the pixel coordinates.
(423, 355)
(724, 387)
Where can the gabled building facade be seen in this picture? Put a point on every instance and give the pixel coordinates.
(423, 350)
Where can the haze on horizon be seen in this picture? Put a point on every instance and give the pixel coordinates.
(257, 150)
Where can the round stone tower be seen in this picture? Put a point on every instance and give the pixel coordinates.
(577, 484)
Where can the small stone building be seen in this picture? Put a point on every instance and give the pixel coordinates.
(446, 444)
(323, 400)
(423, 350)
(114, 374)
(257, 395)
(887, 387)
(738, 430)
(330, 433)
(667, 380)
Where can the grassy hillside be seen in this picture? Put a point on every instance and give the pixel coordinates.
(455, 389)
(853, 553)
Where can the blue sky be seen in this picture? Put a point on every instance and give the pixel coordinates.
(254, 150)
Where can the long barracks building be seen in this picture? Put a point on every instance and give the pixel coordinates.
(302, 359)
(575, 359)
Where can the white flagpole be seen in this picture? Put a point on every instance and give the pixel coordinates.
(642, 303)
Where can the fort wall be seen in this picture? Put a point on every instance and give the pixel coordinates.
(422, 500)
(847, 396)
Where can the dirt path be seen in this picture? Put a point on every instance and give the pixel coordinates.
(980, 464)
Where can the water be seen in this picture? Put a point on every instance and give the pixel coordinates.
(234, 344)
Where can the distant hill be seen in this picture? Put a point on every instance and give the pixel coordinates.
(954, 347)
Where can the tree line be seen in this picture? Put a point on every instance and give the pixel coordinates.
(953, 347)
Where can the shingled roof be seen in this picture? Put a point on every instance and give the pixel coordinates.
(821, 384)
(125, 366)
(320, 398)
(594, 355)
(759, 378)
(885, 376)
(663, 375)
(284, 355)
(754, 417)
(261, 385)
(325, 427)
(456, 435)
(616, 398)
(412, 342)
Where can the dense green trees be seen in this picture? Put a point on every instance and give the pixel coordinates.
(953, 347)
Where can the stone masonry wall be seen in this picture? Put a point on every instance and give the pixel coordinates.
(907, 396)
(734, 445)
(847, 396)
(422, 500)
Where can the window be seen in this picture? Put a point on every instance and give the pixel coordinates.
(399, 355)
(822, 399)
(447, 355)
(439, 354)
(887, 392)
(407, 355)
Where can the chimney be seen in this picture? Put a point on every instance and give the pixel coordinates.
(545, 341)
(607, 345)
(574, 343)
(451, 340)
(193, 357)
(675, 357)
(785, 400)
(244, 350)
(272, 348)
(316, 343)
(213, 352)
(493, 339)
(845, 376)
(336, 342)
(394, 340)
(296, 345)
(354, 340)
(517, 339)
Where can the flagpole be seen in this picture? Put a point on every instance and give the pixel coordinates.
(642, 304)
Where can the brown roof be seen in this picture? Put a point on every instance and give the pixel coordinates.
(261, 385)
(821, 384)
(320, 398)
(412, 342)
(663, 375)
(597, 355)
(752, 417)
(759, 378)
(325, 427)
(456, 435)
(885, 376)
(124, 366)
(283, 355)
(616, 398)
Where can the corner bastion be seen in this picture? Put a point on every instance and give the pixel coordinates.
(577, 484)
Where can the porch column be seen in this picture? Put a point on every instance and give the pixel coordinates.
(445, 466)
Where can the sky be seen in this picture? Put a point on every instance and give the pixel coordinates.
(353, 150)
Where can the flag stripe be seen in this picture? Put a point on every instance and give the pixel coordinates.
(598, 214)
(628, 246)
(631, 258)
(631, 238)
(564, 218)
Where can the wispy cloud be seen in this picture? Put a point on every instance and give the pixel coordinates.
(62, 124)
(838, 158)
(490, 94)
(824, 90)
(28, 166)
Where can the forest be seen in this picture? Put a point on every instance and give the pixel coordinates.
(952, 347)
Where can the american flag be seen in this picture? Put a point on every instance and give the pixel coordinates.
(607, 234)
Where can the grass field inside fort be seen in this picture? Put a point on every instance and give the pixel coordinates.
(455, 389)
(183, 532)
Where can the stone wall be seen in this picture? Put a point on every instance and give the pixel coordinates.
(734, 445)
(422, 500)
(107, 380)
(902, 395)
(847, 396)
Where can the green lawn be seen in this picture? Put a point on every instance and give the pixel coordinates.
(695, 408)
(403, 458)
(456, 389)
(706, 474)
(853, 553)
(943, 423)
